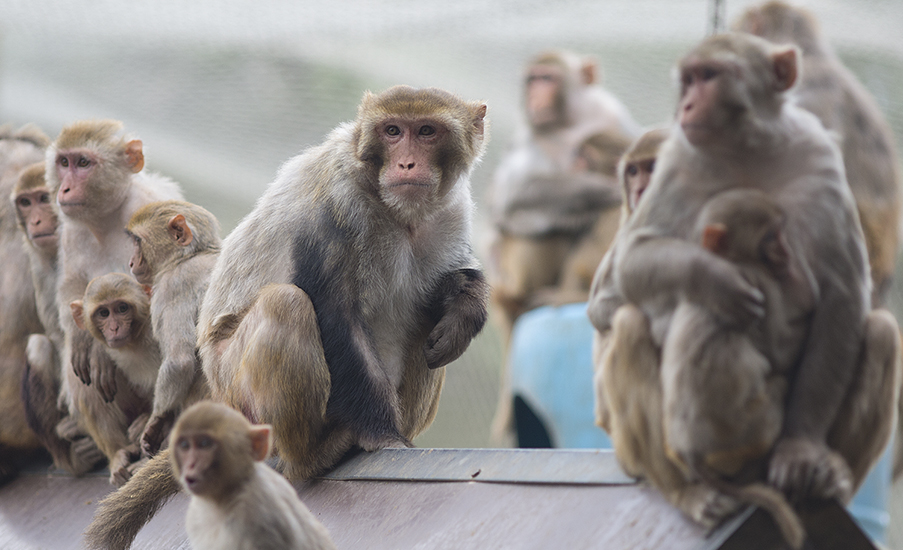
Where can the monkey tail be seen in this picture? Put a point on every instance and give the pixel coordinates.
(768, 498)
(123, 513)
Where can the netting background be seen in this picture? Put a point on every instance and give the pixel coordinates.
(222, 92)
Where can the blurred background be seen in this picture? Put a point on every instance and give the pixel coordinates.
(223, 92)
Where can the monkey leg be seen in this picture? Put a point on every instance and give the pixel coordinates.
(867, 416)
(631, 384)
(282, 379)
(419, 395)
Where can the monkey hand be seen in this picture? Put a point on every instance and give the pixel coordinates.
(444, 344)
(81, 363)
(120, 470)
(718, 286)
(103, 373)
(84, 454)
(156, 432)
(804, 468)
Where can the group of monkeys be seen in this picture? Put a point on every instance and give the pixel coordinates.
(733, 264)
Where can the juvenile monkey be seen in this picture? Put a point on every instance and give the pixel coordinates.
(44, 386)
(237, 501)
(735, 129)
(116, 312)
(335, 303)
(97, 177)
(637, 164)
(176, 245)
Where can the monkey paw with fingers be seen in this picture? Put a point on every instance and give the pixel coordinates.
(804, 468)
(156, 432)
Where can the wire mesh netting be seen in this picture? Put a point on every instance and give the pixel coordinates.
(223, 92)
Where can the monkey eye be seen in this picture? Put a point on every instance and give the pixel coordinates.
(83, 162)
(651, 165)
(427, 130)
(632, 169)
(45, 198)
(393, 130)
(205, 442)
(103, 312)
(24, 202)
(122, 307)
(64, 162)
(183, 443)
(708, 73)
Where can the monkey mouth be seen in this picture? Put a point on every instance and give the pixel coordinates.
(117, 341)
(191, 483)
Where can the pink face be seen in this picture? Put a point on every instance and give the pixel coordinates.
(114, 320)
(37, 214)
(74, 168)
(544, 91)
(410, 171)
(700, 112)
(137, 264)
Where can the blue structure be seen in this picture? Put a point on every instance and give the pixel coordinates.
(551, 371)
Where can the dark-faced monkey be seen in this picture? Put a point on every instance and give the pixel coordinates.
(176, 245)
(843, 389)
(237, 501)
(335, 303)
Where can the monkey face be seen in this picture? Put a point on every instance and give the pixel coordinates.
(195, 455)
(114, 321)
(545, 96)
(38, 218)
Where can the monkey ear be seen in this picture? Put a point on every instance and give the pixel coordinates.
(589, 72)
(260, 441)
(135, 154)
(714, 236)
(78, 313)
(786, 67)
(478, 116)
(179, 230)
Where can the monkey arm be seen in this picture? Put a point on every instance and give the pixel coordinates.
(459, 311)
(665, 268)
(103, 370)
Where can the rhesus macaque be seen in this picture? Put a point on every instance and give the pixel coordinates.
(176, 245)
(335, 303)
(830, 91)
(546, 200)
(97, 176)
(116, 312)
(237, 501)
(543, 197)
(44, 387)
(18, 313)
(735, 129)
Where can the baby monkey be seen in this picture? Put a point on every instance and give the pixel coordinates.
(724, 386)
(237, 501)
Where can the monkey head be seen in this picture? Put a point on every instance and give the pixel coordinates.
(214, 449)
(89, 166)
(416, 144)
(729, 85)
(165, 232)
(553, 80)
(115, 310)
(636, 165)
(35, 210)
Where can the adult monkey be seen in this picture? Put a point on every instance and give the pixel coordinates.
(830, 91)
(96, 173)
(542, 201)
(334, 303)
(735, 129)
(18, 313)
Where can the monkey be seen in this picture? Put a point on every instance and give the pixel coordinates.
(551, 214)
(96, 174)
(175, 247)
(237, 501)
(542, 199)
(18, 311)
(116, 312)
(733, 129)
(44, 386)
(336, 302)
(636, 166)
(830, 91)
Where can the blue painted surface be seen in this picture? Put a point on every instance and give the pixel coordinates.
(552, 370)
